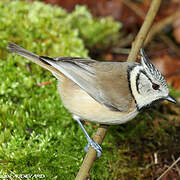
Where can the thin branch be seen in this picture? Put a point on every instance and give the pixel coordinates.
(121, 50)
(91, 154)
(136, 9)
(159, 26)
(177, 167)
(174, 163)
(170, 43)
(144, 30)
(127, 40)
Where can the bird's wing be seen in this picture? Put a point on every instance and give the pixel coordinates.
(106, 82)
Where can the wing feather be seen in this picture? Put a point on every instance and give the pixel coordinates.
(101, 80)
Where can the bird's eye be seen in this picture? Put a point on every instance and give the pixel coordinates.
(155, 86)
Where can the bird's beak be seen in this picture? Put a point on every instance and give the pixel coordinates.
(170, 99)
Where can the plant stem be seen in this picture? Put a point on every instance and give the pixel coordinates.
(160, 25)
(91, 154)
(144, 30)
(174, 163)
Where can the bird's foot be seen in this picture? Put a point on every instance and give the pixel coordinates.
(92, 143)
(95, 145)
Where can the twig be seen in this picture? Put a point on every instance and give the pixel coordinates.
(119, 50)
(175, 162)
(91, 154)
(134, 7)
(159, 26)
(126, 40)
(178, 169)
(170, 43)
(144, 30)
(101, 132)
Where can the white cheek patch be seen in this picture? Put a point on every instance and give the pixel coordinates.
(144, 84)
(140, 86)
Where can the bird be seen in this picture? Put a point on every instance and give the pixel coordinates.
(103, 92)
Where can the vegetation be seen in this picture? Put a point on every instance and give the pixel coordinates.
(37, 134)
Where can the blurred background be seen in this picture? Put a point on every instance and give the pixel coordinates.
(38, 135)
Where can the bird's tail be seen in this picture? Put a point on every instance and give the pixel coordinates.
(33, 57)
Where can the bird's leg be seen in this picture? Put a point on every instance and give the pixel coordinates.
(92, 143)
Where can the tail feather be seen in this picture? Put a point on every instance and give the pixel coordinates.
(33, 57)
(21, 51)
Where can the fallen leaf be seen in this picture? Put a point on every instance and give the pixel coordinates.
(176, 30)
(169, 66)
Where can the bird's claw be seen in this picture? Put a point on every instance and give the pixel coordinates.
(96, 146)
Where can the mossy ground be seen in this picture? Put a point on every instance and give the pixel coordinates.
(38, 135)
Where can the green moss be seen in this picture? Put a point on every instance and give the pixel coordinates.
(40, 28)
(102, 31)
(49, 30)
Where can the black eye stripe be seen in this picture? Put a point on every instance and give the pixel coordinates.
(146, 75)
(137, 79)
